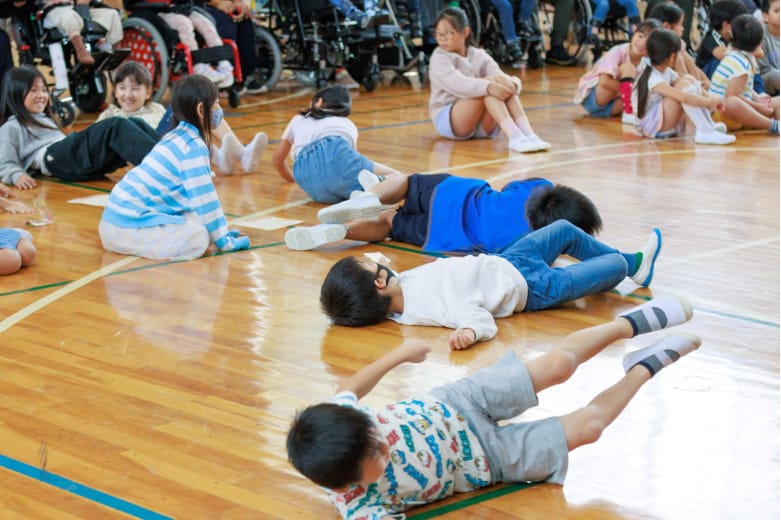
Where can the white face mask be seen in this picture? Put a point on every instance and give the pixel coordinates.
(217, 116)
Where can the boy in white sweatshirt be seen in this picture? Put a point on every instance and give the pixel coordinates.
(467, 293)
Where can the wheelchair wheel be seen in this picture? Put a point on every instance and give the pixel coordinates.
(65, 111)
(472, 10)
(147, 46)
(270, 66)
(89, 93)
(492, 40)
(577, 32)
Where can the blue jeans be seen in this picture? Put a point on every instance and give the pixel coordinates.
(601, 8)
(505, 11)
(600, 267)
(327, 169)
(347, 8)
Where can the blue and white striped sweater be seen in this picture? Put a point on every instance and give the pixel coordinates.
(173, 179)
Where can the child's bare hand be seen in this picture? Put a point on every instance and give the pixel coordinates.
(414, 351)
(500, 91)
(14, 206)
(25, 182)
(462, 338)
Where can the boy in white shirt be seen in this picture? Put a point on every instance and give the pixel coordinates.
(467, 293)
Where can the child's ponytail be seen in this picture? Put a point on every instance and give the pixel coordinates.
(661, 44)
(330, 101)
(642, 90)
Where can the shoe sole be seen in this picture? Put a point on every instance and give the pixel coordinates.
(716, 141)
(306, 239)
(647, 281)
(336, 215)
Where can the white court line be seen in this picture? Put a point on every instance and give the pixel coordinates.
(303, 91)
(37, 305)
(269, 211)
(720, 251)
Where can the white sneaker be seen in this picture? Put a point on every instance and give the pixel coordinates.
(664, 352)
(521, 144)
(307, 238)
(368, 180)
(628, 119)
(253, 152)
(525, 144)
(720, 127)
(543, 145)
(204, 69)
(650, 251)
(713, 137)
(368, 206)
(227, 154)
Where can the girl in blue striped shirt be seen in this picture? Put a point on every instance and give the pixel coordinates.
(167, 207)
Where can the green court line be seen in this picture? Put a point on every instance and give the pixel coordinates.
(470, 501)
(406, 249)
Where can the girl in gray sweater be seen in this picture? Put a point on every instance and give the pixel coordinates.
(33, 141)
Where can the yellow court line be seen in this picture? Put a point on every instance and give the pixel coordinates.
(63, 291)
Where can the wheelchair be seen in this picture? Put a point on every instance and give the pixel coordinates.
(154, 44)
(39, 46)
(315, 40)
(492, 35)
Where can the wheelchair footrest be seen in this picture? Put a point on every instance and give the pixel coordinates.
(213, 54)
(382, 32)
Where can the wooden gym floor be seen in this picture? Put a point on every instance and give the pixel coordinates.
(133, 388)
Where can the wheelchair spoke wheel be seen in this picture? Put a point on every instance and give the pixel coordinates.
(270, 58)
(147, 46)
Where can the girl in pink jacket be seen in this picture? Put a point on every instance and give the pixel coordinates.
(470, 95)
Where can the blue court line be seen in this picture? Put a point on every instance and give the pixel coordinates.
(81, 490)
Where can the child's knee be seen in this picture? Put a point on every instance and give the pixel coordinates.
(26, 251)
(10, 261)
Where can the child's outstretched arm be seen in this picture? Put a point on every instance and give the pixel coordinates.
(362, 382)
(280, 160)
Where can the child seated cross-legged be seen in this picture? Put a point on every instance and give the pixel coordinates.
(167, 207)
(443, 212)
(466, 293)
(733, 81)
(379, 463)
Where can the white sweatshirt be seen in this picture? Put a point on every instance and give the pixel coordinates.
(462, 292)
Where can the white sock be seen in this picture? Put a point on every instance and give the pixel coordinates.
(511, 129)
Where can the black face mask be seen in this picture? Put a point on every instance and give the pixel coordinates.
(389, 274)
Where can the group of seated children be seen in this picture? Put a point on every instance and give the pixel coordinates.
(654, 83)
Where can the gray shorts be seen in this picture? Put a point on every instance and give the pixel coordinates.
(534, 451)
